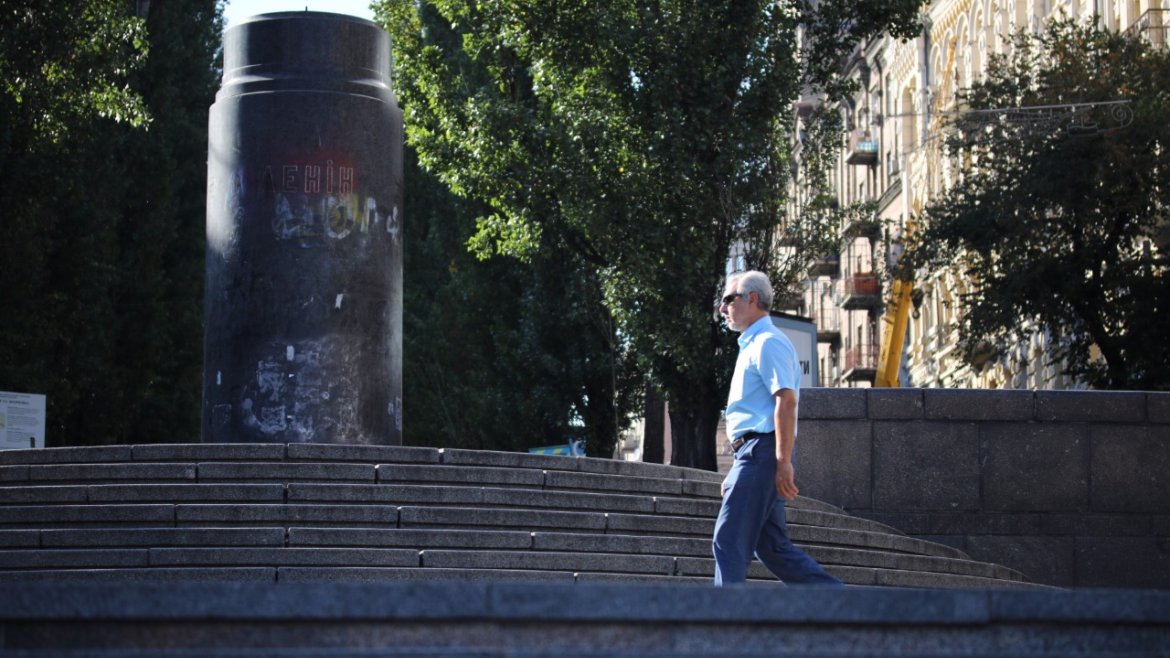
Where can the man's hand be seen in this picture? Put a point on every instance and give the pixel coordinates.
(786, 480)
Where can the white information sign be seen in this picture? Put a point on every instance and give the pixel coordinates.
(22, 420)
(803, 334)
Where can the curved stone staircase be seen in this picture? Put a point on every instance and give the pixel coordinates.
(304, 513)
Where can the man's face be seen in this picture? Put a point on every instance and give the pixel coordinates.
(735, 308)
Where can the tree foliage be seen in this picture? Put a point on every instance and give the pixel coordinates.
(645, 138)
(502, 354)
(1060, 221)
(102, 178)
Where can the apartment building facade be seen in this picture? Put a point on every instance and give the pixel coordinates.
(890, 158)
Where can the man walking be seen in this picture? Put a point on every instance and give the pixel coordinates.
(761, 424)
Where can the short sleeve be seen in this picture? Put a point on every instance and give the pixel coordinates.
(778, 365)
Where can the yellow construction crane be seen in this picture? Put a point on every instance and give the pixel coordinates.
(898, 304)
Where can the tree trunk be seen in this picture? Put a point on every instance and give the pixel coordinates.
(692, 435)
(654, 428)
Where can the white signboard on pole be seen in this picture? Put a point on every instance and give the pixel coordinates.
(803, 334)
(22, 420)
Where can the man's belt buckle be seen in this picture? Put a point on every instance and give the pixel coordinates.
(736, 444)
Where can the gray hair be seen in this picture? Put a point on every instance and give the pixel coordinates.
(753, 281)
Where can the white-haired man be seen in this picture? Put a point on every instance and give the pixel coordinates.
(761, 425)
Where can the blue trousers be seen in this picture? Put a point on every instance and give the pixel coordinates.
(752, 522)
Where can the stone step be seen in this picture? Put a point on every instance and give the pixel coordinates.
(556, 618)
(429, 538)
(464, 550)
(377, 511)
(357, 494)
(191, 515)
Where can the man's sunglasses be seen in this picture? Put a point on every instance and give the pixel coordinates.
(730, 297)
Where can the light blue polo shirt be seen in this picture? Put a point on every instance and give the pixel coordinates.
(766, 364)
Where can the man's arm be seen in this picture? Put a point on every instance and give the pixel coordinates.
(785, 419)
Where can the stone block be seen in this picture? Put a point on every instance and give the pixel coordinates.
(634, 578)
(13, 473)
(1095, 525)
(696, 474)
(611, 483)
(20, 538)
(896, 403)
(412, 538)
(1158, 407)
(111, 472)
(567, 500)
(382, 575)
(88, 454)
(621, 544)
(42, 495)
(832, 403)
(978, 404)
(1119, 562)
(540, 561)
(1122, 608)
(1045, 560)
(208, 452)
(705, 488)
(831, 520)
(1160, 526)
(156, 537)
(1035, 467)
(285, 471)
(925, 466)
(43, 558)
(1130, 469)
(632, 469)
(461, 457)
(1091, 406)
(812, 504)
(671, 526)
(937, 543)
(467, 475)
(918, 579)
(452, 517)
(385, 494)
(922, 524)
(707, 509)
(122, 578)
(363, 453)
(42, 516)
(704, 567)
(139, 493)
(290, 514)
(833, 462)
(325, 557)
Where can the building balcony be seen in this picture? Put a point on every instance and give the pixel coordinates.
(828, 323)
(1152, 27)
(862, 291)
(809, 103)
(827, 266)
(862, 228)
(788, 300)
(860, 363)
(863, 148)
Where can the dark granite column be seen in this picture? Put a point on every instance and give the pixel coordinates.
(303, 311)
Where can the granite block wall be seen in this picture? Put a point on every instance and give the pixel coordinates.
(1069, 487)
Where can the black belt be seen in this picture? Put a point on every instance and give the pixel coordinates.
(738, 442)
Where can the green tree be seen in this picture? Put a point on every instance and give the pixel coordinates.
(102, 176)
(647, 138)
(501, 354)
(1059, 220)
